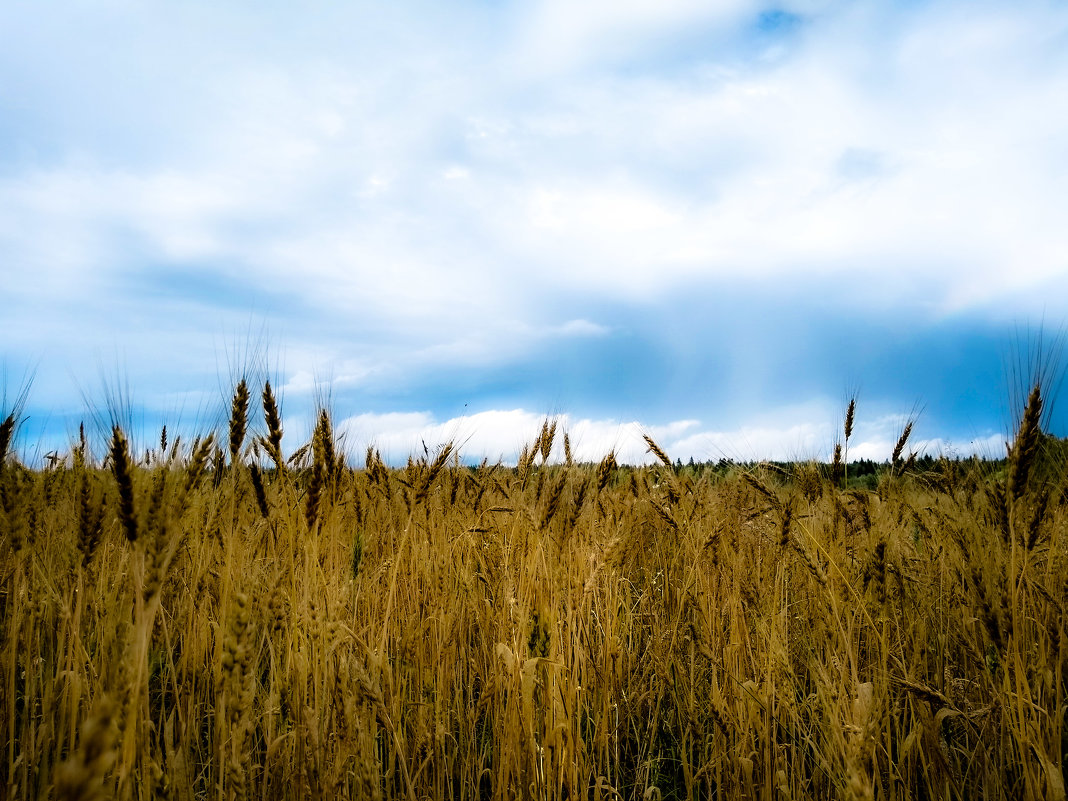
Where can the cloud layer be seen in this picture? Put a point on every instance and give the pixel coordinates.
(428, 203)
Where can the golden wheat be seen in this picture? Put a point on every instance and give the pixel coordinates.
(545, 631)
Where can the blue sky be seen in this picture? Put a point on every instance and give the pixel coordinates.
(711, 222)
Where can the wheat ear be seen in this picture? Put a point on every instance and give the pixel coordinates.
(238, 419)
(658, 452)
(121, 468)
(895, 457)
(1025, 449)
(273, 441)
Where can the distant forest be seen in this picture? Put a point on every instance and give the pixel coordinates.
(865, 473)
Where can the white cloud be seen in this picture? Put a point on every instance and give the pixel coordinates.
(492, 434)
(799, 441)
(619, 182)
(448, 177)
(581, 328)
(562, 38)
(502, 434)
(495, 434)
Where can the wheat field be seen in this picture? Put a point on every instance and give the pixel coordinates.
(213, 620)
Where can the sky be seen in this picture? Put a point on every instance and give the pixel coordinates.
(710, 222)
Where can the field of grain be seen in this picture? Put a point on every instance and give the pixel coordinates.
(214, 620)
